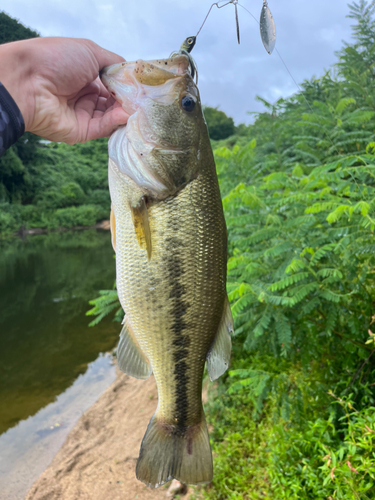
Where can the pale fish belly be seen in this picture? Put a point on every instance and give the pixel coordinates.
(174, 304)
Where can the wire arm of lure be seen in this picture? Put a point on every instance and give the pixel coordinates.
(237, 21)
(266, 23)
(234, 2)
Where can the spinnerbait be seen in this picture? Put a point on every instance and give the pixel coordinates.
(266, 24)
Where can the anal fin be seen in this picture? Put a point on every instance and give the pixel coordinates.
(130, 358)
(219, 355)
(142, 226)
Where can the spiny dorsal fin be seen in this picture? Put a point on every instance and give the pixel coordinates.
(130, 357)
(113, 228)
(219, 355)
(142, 226)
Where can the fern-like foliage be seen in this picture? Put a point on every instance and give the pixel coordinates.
(299, 200)
(283, 266)
(105, 304)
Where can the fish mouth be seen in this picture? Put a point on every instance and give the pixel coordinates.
(130, 82)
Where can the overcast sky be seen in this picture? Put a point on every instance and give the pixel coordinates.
(230, 76)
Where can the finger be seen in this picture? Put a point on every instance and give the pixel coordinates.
(91, 89)
(104, 57)
(103, 90)
(104, 106)
(87, 105)
(93, 105)
(101, 105)
(107, 124)
(111, 102)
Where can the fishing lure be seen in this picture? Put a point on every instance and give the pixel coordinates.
(216, 4)
(188, 44)
(267, 28)
(186, 47)
(267, 32)
(266, 24)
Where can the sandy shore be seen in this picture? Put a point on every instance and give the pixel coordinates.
(98, 458)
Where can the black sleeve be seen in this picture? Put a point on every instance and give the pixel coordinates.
(12, 125)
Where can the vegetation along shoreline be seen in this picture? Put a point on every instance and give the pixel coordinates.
(294, 419)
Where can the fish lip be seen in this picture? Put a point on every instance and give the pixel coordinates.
(152, 72)
(119, 81)
(107, 72)
(132, 82)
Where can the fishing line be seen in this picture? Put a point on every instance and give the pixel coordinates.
(268, 35)
(293, 79)
(281, 59)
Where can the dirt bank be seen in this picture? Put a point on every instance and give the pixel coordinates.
(97, 460)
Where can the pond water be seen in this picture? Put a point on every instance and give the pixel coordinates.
(51, 369)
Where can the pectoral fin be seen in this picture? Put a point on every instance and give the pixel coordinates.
(130, 358)
(142, 226)
(113, 229)
(219, 355)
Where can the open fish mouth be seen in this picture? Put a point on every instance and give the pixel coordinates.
(130, 82)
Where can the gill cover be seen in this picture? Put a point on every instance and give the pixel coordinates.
(158, 147)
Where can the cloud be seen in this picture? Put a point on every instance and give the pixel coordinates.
(308, 34)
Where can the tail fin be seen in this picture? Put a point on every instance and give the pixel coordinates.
(168, 452)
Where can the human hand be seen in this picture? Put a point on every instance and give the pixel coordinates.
(55, 83)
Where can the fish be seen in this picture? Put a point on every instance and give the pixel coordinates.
(170, 238)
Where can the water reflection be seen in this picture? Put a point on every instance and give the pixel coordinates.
(45, 343)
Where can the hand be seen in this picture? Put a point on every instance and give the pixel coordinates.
(55, 83)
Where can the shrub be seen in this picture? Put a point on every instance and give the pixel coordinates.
(220, 126)
(85, 215)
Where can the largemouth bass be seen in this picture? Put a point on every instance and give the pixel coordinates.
(169, 234)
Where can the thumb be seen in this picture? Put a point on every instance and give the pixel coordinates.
(103, 57)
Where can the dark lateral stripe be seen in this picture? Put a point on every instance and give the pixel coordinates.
(181, 340)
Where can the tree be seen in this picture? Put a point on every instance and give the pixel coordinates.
(12, 30)
(14, 176)
(220, 126)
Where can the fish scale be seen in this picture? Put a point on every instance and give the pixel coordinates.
(171, 252)
(197, 273)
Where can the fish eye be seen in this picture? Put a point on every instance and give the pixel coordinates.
(190, 41)
(188, 103)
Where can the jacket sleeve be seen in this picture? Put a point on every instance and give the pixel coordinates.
(12, 125)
